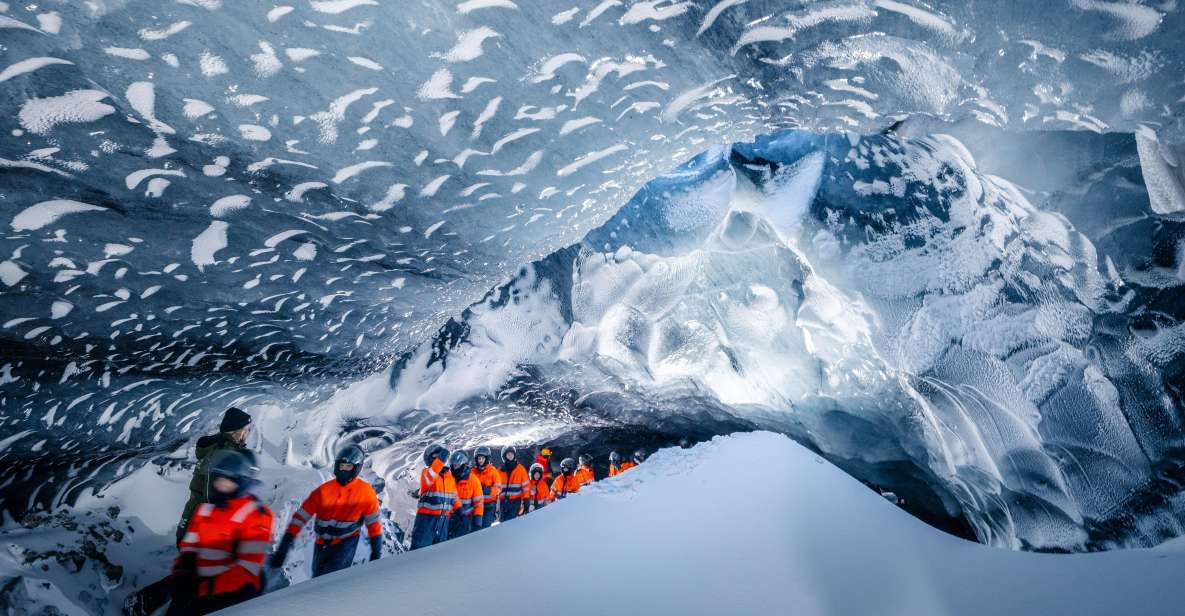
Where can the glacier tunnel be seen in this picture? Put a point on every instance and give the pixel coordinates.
(941, 245)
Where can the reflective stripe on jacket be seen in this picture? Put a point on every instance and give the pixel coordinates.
(584, 474)
(341, 511)
(230, 545)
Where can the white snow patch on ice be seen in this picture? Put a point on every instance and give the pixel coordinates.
(41, 214)
(41, 115)
(208, 243)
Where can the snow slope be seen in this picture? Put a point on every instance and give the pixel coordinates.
(744, 524)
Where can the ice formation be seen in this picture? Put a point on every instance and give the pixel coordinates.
(940, 243)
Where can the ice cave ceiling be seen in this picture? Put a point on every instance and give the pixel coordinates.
(951, 238)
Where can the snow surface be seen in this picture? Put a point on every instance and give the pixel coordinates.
(744, 524)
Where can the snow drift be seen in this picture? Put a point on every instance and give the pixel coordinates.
(744, 524)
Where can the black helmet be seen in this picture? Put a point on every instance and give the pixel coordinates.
(567, 466)
(639, 456)
(352, 455)
(536, 467)
(508, 449)
(614, 457)
(237, 466)
(459, 463)
(434, 451)
(483, 452)
(586, 459)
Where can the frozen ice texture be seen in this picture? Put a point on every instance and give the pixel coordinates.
(951, 257)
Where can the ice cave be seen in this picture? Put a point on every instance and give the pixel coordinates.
(893, 291)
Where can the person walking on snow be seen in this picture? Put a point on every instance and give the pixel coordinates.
(538, 494)
(491, 485)
(438, 496)
(225, 543)
(614, 464)
(585, 473)
(468, 518)
(232, 435)
(514, 485)
(566, 482)
(342, 506)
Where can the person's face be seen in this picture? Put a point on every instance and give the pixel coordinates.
(224, 485)
(509, 456)
(537, 475)
(240, 435)
(345, 467)
(479, 460)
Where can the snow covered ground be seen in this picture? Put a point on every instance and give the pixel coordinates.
(744, 524)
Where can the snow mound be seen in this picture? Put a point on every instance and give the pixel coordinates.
(744, 524)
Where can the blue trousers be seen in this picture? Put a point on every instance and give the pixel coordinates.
(442, 528)
(510, 509)
(428, 530)
(459, 525)
(328, 558)
(491, 514)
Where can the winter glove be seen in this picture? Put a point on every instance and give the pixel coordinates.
(376, 547)
(281, 553)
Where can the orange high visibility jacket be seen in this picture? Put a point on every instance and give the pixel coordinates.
(585, 475)
(545, 462)
(538, 494)
(565, 485)
(613, 470)
(514, 486)
(340, 511)
(471, 496)
(627, 465)
(438, 490)
(230, 544)
(491, 484)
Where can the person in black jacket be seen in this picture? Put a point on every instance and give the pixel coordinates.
(232, 435)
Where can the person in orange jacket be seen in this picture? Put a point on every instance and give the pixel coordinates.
(566, 482)
(468, 517)
(638, 458)
(491, 485)
(438, 498)
(538, 494)
(585, 472)
(514, 485)
(342, 506)
(225, 542)
(614, 464)
(544, 459)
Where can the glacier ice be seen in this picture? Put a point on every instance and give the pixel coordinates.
(942, 244)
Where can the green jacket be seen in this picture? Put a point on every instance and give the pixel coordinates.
(199, 486)
(207, 445)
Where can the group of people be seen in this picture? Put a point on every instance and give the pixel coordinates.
(457, 498)
(225, 534)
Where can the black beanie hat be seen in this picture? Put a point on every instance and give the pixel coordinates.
(234, 419)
